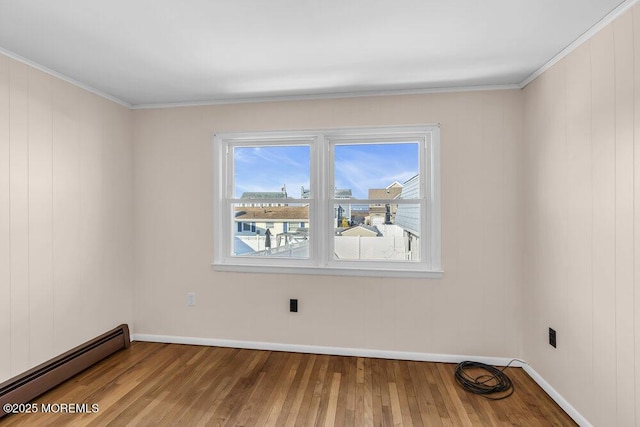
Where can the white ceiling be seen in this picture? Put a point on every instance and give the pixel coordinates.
(146, 52)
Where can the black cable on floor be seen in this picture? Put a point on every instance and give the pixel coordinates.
(495, 381)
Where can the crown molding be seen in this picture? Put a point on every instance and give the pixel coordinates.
(320, 96)
(62, 77)
(252, 100)
(612, 16)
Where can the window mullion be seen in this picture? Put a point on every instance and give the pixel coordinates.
(322, 163)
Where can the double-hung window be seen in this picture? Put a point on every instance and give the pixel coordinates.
(358, 201)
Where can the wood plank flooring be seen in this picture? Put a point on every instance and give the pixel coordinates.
(168, 384)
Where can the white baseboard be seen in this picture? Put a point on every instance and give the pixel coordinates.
(561, 401)
(317, 349)
(379, 354)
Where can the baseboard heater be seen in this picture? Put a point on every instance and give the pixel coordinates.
(31, 384)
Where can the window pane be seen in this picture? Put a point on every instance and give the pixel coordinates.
(270, 233)
(361, 234)
(377, 171)
(271, 172)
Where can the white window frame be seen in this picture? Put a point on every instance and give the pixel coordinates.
(321, 203)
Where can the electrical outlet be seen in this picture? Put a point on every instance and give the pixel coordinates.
(293, 305)
(191, 299)
(552, 337)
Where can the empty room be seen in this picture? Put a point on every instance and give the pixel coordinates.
(320, 212)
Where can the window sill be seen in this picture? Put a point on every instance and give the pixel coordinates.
(330, 271)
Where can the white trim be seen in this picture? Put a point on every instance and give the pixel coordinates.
(611, 16)
(62, 77)
(561, 401)
(328, 271)
(377, 354)
(319, 96)
(252, 100)
(321, 349)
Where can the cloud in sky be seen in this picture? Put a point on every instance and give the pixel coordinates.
(269, 168)
(358, 167)
(361, 167)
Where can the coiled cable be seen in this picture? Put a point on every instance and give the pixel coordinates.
(493, 382)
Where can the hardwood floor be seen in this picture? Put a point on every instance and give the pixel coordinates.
(168, 384)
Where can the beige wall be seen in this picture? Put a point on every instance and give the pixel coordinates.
(475, 309)
(582, 222)
(65, 216)
(540, 201)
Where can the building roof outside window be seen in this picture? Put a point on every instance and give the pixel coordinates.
(272, 213)
(263, 195)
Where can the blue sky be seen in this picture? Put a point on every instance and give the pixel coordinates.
(358, 167)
